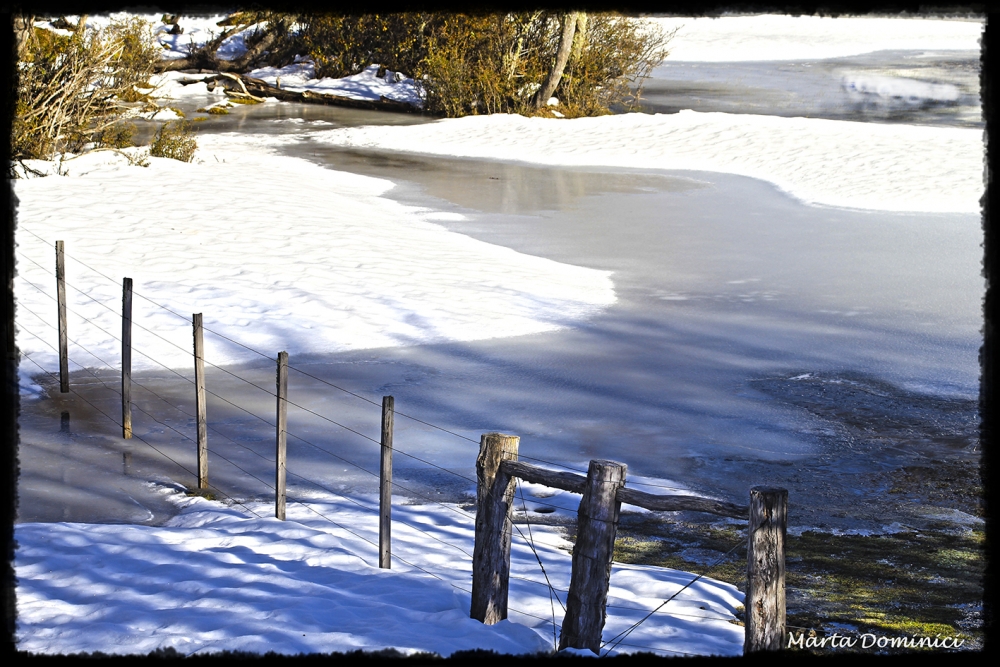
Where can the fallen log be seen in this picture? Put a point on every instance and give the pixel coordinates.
(241, 85)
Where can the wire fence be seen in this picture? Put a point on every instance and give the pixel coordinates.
(556, 594)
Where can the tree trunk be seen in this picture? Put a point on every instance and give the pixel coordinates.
(580, 38)
(562, 57)
(24, 26)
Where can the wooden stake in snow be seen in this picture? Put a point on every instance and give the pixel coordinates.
(385, 486)
(597, 523)
(765, 598)
(127, 358)
(61, 299)
(281, 437)
(199, 408)
(491, 555)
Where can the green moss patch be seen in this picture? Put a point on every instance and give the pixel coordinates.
(909, 584)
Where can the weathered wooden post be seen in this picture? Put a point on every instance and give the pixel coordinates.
(127, 358)
(597, 524)
(385, 486)
(200, 406)
(61, 300)
(281, 437)
(765, 598)
(494, 509)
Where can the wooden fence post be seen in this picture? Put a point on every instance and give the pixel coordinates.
(127, 358)
(199, 411)
(494, 509)
(281, 437)
(385, 486)
(61, 299)
(597, 524)
(765, 597)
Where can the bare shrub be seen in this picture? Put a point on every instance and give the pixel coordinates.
(72, 88)
(493, 62)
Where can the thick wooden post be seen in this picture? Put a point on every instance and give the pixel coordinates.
(597, 524)
(494, 509)
(281, 437)
(765, 598)
(127, 358)
(61, 299)
(385, 486)
(199, 409)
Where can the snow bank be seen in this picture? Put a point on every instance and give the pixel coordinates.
(216, 579)
(836, 163)
(276, 252)
(780, 37)
(366, 85)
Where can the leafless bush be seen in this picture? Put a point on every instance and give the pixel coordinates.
(73, 88)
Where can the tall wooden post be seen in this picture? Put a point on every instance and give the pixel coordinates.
(281, 437)
(199, 410)
(765, 598)
(597, 524)
(127, 358)
(494, 510)
(61, 299)
(385, 486)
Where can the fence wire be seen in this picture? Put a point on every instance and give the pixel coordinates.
(610, 645)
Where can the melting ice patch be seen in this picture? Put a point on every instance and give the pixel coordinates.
(895, 90)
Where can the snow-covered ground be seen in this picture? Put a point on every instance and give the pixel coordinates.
(217, 578)
(779, 37)
(281, 254)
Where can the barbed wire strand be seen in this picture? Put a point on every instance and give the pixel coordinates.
(617, 639)
(555, 645)
(141, 439)
(215, 452)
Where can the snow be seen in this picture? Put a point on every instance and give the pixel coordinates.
(269, 263)
(886, 167)
(781, 37)
(217, 578)
(365, 85)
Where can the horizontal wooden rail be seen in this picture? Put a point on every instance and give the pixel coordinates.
(567, 481)
(679, 503)
(574, 483)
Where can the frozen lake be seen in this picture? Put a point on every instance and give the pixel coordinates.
(755, 340)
